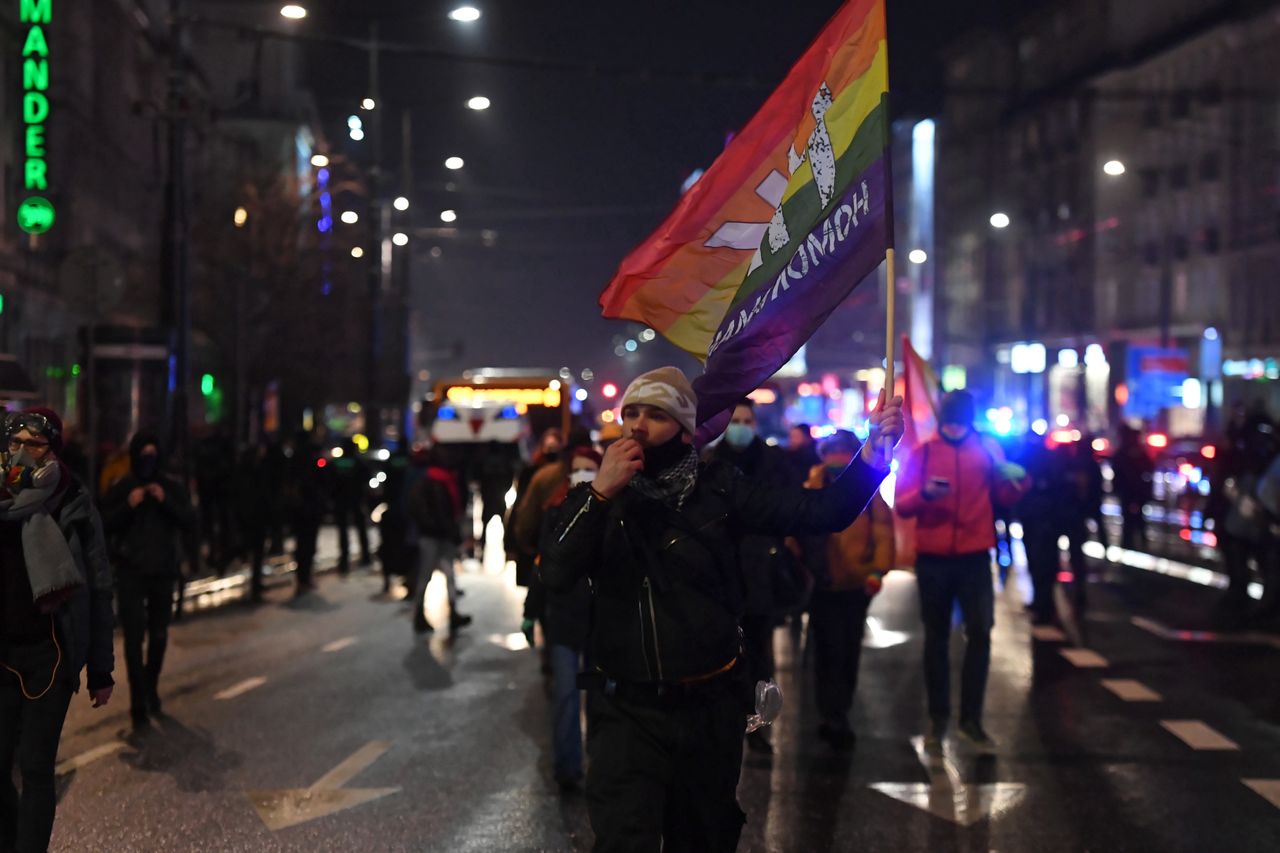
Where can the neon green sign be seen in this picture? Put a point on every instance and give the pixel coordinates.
(35, 213)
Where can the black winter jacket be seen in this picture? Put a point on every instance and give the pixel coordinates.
(667, 584)
(86, 620)
(147, 539)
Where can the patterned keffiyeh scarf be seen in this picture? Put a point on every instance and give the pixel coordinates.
(674, 485)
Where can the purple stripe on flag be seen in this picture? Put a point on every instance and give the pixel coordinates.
(762, 332)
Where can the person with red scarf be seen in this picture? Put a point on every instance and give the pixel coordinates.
(435, 505)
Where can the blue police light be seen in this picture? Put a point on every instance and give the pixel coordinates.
(447, 413)
(509, 413)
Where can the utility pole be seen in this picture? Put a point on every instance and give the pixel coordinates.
(379, 253)
(175, 238)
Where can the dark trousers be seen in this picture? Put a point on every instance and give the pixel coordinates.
(666, 779)
(29, 733)
(1077, 531)
(146, 608)
(837, 621)
(1133, 532)
(1042, 565)
(345, 515)
(305, 533)
(255, 541)
(943, 581)
(757, 641)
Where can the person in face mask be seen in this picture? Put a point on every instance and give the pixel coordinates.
(949, 486)
(668, 687)
(566, 619)
(767, 564)
(147, 515)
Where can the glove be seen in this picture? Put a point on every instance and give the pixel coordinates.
(526, 628)
(1011, 471)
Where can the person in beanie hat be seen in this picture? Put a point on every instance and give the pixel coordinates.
(657, 535)
(55, 619)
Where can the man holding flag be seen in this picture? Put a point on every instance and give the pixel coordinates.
(794, 214)
(657, 534)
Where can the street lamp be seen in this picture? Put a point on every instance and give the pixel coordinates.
(479, 102)
(917, 256)
(465, 14)
(368, 104)
(999, 220)
(240, 217)
(400, 238)
(454, 163)
(357, 252)
(1114, 168)
(357, 134)
(293, 12)
(319, 161)
(448, 216)
(401, 203)
(350, 217)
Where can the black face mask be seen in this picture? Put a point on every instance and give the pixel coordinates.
(660, 458)
(147, 467)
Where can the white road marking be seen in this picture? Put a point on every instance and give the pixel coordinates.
(76, 762)
(1247, 638)
(280, 809)
(240, 689)
(946, 795)
(1131, 691)
(1197, 735)
(1048, 634)
(1268, 789)
(339, 645)
(1085, 658)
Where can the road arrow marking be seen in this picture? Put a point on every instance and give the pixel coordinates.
(1268, 789)
(84, 758)
(338, 645)
(946, 795)
(288, 807)
(241, 688)
(965, 805)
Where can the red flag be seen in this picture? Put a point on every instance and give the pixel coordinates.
(920, 406)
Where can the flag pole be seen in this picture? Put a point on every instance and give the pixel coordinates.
(890, 297)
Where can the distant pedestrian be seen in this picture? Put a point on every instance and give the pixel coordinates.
(55, 620)
(948, 485)
(350, 481)
(849, 569)
(802, 453)
(497, 476)
(304, 488)
(435, 505)
(567, 622)
(1134, 474)
(147, 514)
(769, 569)
(1081, 502)
(1041, 513)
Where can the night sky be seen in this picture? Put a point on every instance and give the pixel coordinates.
(571, 169)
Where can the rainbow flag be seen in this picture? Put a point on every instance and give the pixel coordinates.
(792, 216)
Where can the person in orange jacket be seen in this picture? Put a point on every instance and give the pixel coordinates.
(848, 568)
(949, 486)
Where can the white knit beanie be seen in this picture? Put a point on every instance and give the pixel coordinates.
(668, 389)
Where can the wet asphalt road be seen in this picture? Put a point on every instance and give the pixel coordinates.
(442, 744)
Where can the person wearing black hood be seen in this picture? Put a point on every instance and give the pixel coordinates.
(767, 563)
(147, 514)
(656, 533)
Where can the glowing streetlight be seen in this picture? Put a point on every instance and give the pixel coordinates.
(350, 217)
(454, 163)
(479, 102)
(357, 134)
(999, 220)
(240, 217)
(400, 238)
(401, 203)
(648, 335)
(1114, 168)
(357, 252)
(465, 14)
(293, 12)
(448, 216)
(368, 104)
(319, 161)
(917, 256)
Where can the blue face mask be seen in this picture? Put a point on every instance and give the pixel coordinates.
(739, 436)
